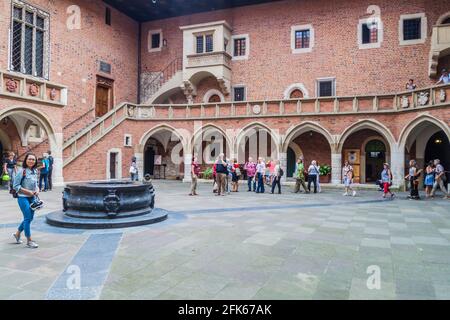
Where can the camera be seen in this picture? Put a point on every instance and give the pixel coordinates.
(37, 204)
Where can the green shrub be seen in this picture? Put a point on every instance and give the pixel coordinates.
(325, 170)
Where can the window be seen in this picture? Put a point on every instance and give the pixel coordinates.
(214, 98)
(29, 40)
(127, 140)
(204, 43)
(296, 94)
(412, 29)
(326, 87)
(370, 33)
(154, 40)
(302, 38)
(240, 46)
(108, 16)
(239, 93)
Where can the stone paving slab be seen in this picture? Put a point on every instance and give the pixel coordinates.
(245, 246)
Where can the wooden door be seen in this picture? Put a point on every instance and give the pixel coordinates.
(102, 101)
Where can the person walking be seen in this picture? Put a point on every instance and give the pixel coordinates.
(429, 179)
(250, 168)
(313, 174)
(412, 177)
(195, 171)
(277, 173)
(347, 174)
(386, 179)
(221, 174)
(299, 175)
(260, 170)
(26, 187)
(50, 170)
(10, 168)
(134, 173)
(43, 173)
(235, 174)
(440, 179)
(319, 189)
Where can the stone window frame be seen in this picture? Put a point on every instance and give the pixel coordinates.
(119, 162)
(333, 88)
(296, 86)
(130, 137)
(423, 27)
(380, 35)
(311, 38)
(245, 92)
(38, 12)
(247, 46)
(150, 34)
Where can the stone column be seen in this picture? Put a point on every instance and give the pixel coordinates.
(57, 153)
(336, 168)
(187, 168)
(398, 167)
(283, 164)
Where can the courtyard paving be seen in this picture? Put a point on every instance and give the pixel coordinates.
(241, 246)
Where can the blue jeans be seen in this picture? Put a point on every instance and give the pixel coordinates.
(43, 176)
(260, 188)
(249, 182)
(276, 182)
(134, 177)
(28, 214)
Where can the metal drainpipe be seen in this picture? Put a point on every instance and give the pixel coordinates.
(139, 64)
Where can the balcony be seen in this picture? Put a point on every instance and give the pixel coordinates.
(440, 46)
(20, 86)
(209, 59)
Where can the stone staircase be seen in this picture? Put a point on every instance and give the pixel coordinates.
(154, 83)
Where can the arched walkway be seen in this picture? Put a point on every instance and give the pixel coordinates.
(15, 122)
(353, 147)
(416, 138)
(257, 140)
(161, 153)
(208, 142)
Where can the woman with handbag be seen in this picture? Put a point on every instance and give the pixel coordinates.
(26, 190)
(386, 179)
(10, 169)
(412, 177)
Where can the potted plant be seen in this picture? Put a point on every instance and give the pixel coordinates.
(325, 173)
(207, 174)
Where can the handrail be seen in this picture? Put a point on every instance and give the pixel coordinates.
(76, 120)
(172, 68)
(32, 148)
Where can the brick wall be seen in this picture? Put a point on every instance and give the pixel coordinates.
(271, 67)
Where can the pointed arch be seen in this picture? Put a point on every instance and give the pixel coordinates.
(159, 128)
(204, 129)
(367, 124)
(303, 127)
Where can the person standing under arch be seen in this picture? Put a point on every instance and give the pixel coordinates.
(440, 179)
(386, 179)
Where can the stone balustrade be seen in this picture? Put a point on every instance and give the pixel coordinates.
(24, 87)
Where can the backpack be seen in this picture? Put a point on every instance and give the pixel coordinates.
(13, 192)
(237, 171)
(281, 172)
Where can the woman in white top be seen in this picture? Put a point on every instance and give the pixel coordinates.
(347, 176)
(313, 174)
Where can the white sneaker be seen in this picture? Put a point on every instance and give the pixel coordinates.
(345, 194)
(17, 239)
(32, 245)
(354, 193)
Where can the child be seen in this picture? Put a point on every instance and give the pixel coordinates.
(347, 174)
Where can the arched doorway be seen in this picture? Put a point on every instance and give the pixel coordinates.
(291, 159)
(163, 154)
(375, 157)
(438, 147)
